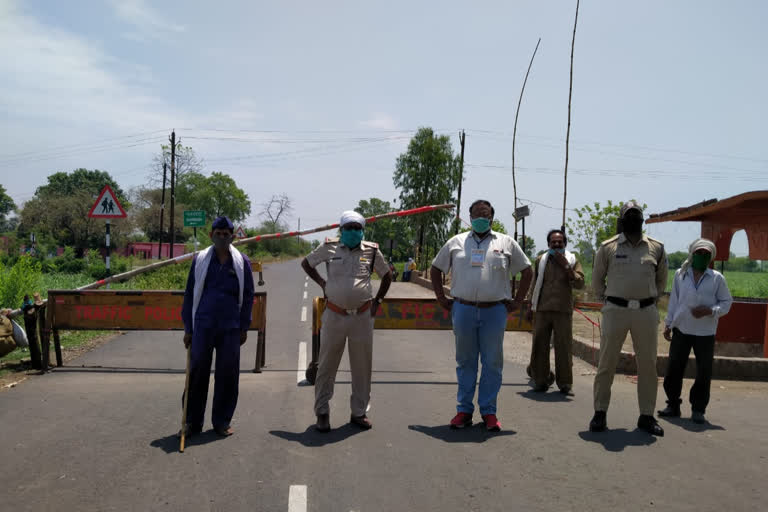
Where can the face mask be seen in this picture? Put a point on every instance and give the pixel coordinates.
(221, 242)
(633, 226)
(700, 262)
(481, 225)
(553, 251)
(351, 237)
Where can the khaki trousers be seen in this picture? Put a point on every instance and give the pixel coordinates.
(642, 324)
(335, 331)
(545, 323)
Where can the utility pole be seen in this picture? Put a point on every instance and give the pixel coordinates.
(173, 189)
(162, 215)
(462, 137)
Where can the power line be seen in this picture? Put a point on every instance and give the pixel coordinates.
(75, 152)
(81, 145)
(506, 135)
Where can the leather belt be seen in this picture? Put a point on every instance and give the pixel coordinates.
(348, 312)
(631, 304)
(479, 304)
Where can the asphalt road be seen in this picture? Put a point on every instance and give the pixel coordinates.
(99, 435)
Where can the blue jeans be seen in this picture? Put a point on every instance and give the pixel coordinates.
(479, 331)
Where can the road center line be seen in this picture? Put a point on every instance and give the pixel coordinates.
(297, 498)
(303, 313)
(305, 294)
(300, 373)
(305, 284)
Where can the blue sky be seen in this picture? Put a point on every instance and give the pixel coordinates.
(318, 99)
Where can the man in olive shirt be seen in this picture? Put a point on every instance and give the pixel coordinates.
(556, 274)
(630, 272)
(349, 314)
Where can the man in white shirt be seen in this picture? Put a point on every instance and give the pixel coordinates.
(699, 297)
(481, 263)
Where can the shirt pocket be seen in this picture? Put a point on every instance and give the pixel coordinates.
(335, 267)
(498, 261)
(648, 264)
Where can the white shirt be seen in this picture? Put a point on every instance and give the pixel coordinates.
(711, 291)
(497, 257)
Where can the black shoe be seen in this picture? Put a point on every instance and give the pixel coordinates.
(361, 421)
(599, 422)
(550, 379)
(698, 417)
(649, 424)
(541, 388)
(670, 411)
(323, 423)
(566, 390)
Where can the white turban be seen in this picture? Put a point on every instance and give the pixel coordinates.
(699, 243)
(350, 216)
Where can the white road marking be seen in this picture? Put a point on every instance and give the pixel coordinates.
(303, 313)
(306, 278)
(302, 361)
(305, 294)
(297, 498)
(305, 284)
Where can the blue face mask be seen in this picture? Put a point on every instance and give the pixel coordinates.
(481, 225)
(351, 237)
(553, 251)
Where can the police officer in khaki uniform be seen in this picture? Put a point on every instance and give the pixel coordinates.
(630, 272)
(349, 314)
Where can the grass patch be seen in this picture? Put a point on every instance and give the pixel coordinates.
(741, 284)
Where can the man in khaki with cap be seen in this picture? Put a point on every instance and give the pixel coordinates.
(630, 272)
(349, 314)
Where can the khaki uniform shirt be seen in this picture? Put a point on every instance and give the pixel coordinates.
(349, 271)
(557, 287)
(485, 276)
(630, 271)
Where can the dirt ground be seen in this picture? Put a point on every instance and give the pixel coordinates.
(22, 369)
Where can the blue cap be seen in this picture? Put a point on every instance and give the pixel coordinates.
(222, 222)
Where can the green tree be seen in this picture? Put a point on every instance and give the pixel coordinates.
(6, 206)
(382, 231)
(217, 195)
(676, 259)
(427, 173)
(145, 213)
(60, 208)
(593, 225)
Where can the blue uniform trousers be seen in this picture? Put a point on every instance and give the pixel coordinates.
(226, 378)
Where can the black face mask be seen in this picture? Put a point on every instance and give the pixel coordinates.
(632, 226)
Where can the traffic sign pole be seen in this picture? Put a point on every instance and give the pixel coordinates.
(195, 237)
(108, 273)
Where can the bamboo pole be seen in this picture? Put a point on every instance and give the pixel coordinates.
(514, 131)
(568, 131)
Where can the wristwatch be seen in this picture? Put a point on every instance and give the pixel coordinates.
(378, 300)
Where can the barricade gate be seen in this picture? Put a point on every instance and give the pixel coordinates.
(130, 310)
(405, 314)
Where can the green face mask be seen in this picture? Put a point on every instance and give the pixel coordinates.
(700, 262)
(481, 225)
(351, 237)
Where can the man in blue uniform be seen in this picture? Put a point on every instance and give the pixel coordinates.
(216, 314)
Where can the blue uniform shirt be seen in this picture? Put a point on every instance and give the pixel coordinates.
(218, 303)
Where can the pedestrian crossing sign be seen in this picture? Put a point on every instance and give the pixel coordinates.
(240, 233)
(107, 206)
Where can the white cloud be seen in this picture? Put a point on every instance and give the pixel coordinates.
(380, 121)
(57, 75)
(147, 22)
